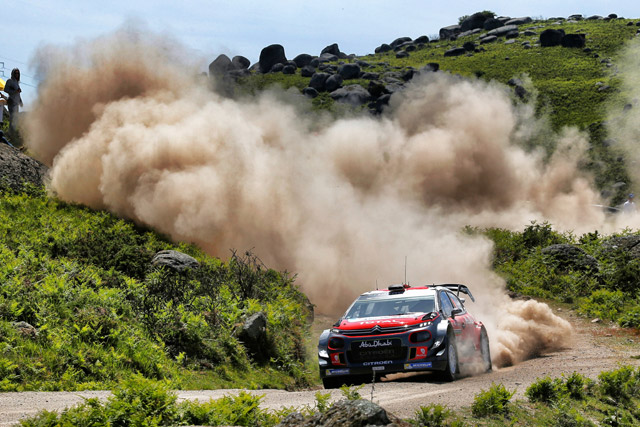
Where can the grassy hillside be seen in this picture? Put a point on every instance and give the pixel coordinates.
(572, 86)
(81, 306)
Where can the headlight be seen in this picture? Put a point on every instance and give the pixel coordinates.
(420, 336)
(323, 353)
(425, 324)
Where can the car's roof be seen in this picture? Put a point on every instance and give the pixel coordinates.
(406, 292)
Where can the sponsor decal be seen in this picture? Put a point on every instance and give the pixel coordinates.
(421, 352)
(420, 365)
(375, 344)
(337, 371)
(335, 358)
(382, 362)
(378, 368)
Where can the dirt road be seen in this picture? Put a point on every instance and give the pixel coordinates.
(596, 347)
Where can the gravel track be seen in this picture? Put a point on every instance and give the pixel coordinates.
(595, 348)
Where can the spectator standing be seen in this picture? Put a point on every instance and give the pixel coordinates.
(12, 88)
(629, 206)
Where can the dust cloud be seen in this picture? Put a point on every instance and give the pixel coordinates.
(128, 127)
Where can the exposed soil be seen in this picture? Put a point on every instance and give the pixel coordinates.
(595, 347)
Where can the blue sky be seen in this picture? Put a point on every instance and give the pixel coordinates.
(241, 27)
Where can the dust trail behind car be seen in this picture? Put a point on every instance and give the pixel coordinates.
(129, 126)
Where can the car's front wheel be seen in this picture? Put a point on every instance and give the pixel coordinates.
(452, 369)
(330, 383)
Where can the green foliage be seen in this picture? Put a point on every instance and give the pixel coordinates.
(351, 392)
(621, 385)
(433, 415)
(604, 304)
(322, 401)
(545, 390)
(97, 312)
(494, 401)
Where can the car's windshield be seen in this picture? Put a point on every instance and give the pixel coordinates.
(391, 306)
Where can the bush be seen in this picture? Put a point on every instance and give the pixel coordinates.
(433, 415)
(622, 384)
(494, 401)
(604, 304)
(545, 390)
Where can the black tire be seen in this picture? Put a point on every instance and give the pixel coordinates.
(452, 370)
(330, 383)
(485, 351)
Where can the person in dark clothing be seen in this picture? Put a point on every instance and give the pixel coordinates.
(14, 102)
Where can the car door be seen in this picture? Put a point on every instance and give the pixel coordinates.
(447, 310)
(464, 318)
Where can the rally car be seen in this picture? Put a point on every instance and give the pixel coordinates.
(404, 329)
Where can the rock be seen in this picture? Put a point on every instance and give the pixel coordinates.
(474, 21)
(456, 51)
(549, 38)
(370, 76)
(328, 57)
(277, 68)
(469, 46)
(397, 42)
(347, 413)
(402, 54)
(594, 18)
(318, 80)
(499, 32)
(174, 260)
(447, 33)
(289, 69)
(492, 24)
(376, 88)
(25, 329)
(18, 170)
(512, 34)
(354, 95)
(310, 92)
(221, 65)
(573, 40)
(488, 39)
(596, 320)
(422, 39)
(570, 257)
(271, 55)
(333, 82)
(307, 71)
(332, 49)
(378, 105)
(630, 244)
(240, 62)
(349, 71)
(303, 60)
(254, 336)
(529, 33)
(383, 48)
(431, 66)
(518, 21)
(576, 17)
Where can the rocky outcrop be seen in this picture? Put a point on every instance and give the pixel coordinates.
(551, 37)
(253, 335)
(346, 413)
(570, 257)
(174, 260)
(270, 56)
(18, 170)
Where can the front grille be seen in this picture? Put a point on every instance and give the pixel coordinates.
(376, 350)
(376, 330)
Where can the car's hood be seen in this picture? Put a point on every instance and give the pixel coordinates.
(383, 322)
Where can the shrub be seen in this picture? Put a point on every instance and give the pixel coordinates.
(433, 415)
(630, 318)
(621, 384)
(545, 390)
(604, 304)
(492, 401)
(351, 393)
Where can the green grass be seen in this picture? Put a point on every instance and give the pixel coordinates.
(81, 307)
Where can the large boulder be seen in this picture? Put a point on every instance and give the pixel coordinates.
(492, 24)
(333, 49)
(570, 257)
(456, 51)
(383, 48)
(333, 82)
(346, 413)
(354, 95)
(221, 65)
(400, 41)
(573, 40)
(271, 55)
(318, 81)
(174, 260)
(240, 62)
(518, 21)
(474, 21)
(501, 31)
(449, 32)
(349, 71)
(551, 37)
(254, 336)
(630, 244)
(303, 60)
(18, 170)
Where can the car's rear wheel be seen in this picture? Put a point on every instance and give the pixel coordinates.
(452, 370)
(485, 351)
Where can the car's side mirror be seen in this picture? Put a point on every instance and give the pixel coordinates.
(455, 311)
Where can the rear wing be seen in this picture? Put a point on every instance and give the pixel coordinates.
(457, 288)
